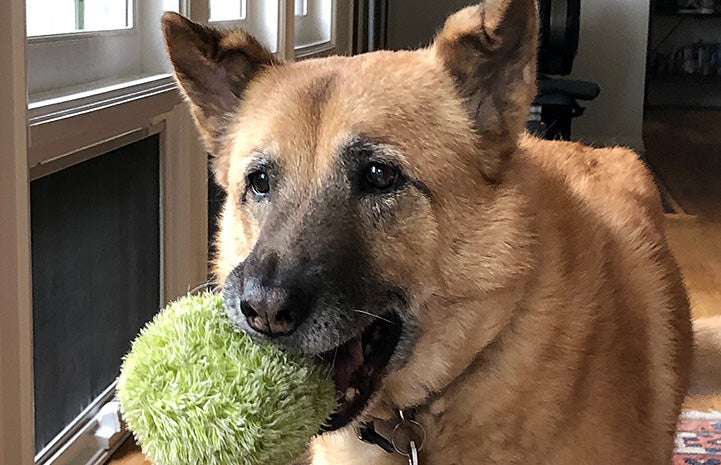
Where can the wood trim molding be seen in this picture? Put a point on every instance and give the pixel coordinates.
(17, 441)
(286, 29)
(184, 206)
(51, 139)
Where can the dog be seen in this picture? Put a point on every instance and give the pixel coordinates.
(483, 296)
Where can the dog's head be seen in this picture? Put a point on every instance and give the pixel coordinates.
(365, 195)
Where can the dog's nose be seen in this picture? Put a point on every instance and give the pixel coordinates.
(267, 310)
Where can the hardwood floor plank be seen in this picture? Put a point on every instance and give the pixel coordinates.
(697, 247)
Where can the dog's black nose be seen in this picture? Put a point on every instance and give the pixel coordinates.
(267, 296)
(267, 309)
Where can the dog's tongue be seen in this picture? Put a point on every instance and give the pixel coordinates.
(348, 359)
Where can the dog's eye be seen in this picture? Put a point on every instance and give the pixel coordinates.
(260, 182)
(379, 177)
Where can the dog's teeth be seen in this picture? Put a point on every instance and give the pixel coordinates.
(351, 394)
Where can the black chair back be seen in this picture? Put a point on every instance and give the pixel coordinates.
(560, 22)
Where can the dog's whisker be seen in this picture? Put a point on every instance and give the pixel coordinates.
(335, 352)
(210, 285)
(328, 368)
(373, 315)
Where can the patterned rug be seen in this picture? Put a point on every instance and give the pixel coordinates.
(698, 440)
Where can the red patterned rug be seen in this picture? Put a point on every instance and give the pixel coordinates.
(698, 440)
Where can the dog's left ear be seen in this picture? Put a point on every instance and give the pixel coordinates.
(490, 51)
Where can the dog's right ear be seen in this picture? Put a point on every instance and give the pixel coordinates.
(213, 68)
(490, 52)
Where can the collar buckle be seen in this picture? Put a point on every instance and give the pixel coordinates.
(407, 437)
(367, 433)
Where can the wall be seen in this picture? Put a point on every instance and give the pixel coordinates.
(612, 52)
(415, 26)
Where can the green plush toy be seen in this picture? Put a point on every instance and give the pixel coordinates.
(196, 391)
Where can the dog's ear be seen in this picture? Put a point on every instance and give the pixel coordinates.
(490, 51)
(213, 68)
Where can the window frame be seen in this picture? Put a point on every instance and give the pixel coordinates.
(16, 363)
(124, 41)
(69, 35)
(243, 15)
(340, 37)
(262, 19)
(77, 443)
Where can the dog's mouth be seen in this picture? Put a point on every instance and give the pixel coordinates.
(359, 366)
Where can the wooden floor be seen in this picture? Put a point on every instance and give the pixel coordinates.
(129, 454)
(697, 246)
(683, 148)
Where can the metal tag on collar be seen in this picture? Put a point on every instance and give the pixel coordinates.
(408, 431)
(412, 454)
(407, 437)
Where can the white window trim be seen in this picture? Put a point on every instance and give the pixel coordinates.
(183, 172)
(265, 20)
(61, 126)
(81, 35)
(340, 37)
(93, 97)
(286, 29)
(323, 45)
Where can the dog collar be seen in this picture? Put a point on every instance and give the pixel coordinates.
(404, 435)
(405, 424)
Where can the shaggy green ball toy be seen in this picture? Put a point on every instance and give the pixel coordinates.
(196, 391)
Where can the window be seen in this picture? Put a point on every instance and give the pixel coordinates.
(52, 17)
(313, 20)
(260, 18)
(322, 27)
(81, 45)
(227, 10)
(301, 7)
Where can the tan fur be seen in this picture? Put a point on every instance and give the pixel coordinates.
(554, 322)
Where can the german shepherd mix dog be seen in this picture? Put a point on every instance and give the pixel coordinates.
(388, 213)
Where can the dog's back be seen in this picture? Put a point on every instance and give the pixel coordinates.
(617, 345)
